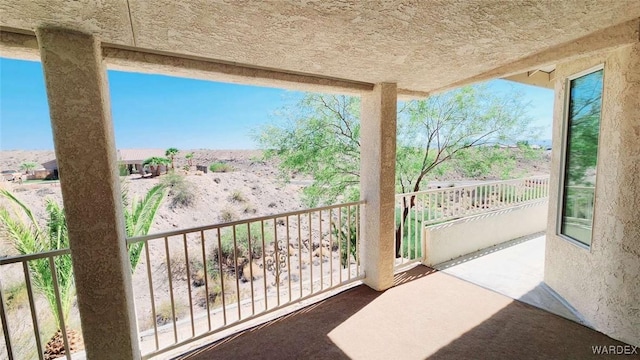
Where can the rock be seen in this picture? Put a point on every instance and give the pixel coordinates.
(55, 345)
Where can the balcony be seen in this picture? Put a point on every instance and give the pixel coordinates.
(283, 280)
(427, 315)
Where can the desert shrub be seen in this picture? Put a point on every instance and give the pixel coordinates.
(164, 313)
(528, 152)
(123, 169)
(16, 296)
(172, 180)
(179, 267)
(182, 197)
(214, 296)
(242, 241)
(346, 233)
(249, 209)
(227, 215)
(220, 167)
(180, 190)
(198, 273)
(238, 196)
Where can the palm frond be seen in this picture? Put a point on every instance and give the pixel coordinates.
(8, 195)
(28, 238)
(139, 218)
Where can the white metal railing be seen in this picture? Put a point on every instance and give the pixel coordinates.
(579, 203)
(23, 337)
(213, 277)
(418, 209)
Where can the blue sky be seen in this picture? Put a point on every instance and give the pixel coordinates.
(152, 111)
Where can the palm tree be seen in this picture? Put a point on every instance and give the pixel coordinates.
(171, 153)
(155, 163)
(28, 238)
(139, 216)
(189, 158)
(28, 166)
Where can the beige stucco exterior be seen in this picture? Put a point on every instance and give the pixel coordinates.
(456, 238)
(85, 149)
(603, 282)
(378, 50)
(377, 186)
(420, 45)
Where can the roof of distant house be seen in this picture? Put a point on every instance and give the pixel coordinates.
(136, 156)
(126, 156)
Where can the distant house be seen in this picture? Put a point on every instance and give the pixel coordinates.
(50, 170)
(131, 158)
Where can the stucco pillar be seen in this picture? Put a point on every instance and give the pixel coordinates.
(617, 214)
(85, 149)
(377, 184)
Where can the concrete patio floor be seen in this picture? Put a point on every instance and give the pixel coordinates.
(514, 269)
(428, 314)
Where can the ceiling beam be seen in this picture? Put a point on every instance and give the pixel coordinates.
(142, 61)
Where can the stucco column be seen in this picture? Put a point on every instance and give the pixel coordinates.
(85, 149)
(377, 184)
(617, 218)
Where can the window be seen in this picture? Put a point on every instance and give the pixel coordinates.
(582, 131)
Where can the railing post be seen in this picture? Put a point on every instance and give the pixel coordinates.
(377, 184)
(85, 150)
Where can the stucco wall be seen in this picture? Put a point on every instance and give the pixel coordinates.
(603, 282)
(455, 238)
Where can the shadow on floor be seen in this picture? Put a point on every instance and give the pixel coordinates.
(522, 331)
(303, 333)
(299, 335)
(427, 315)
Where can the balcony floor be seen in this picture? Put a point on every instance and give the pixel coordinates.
(514, 269)
(428, 314)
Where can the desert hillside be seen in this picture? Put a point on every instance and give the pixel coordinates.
(252, 179)
(250, 188)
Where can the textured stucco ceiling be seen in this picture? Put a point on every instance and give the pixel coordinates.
(421, 45)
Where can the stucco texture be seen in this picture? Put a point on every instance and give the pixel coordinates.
(420, 45)
(378, 162)
(85, 150)
(603, 282)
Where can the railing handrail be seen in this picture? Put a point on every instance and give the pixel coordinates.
(34, 256)
(580, 187)
(239, 222)
(540, 177)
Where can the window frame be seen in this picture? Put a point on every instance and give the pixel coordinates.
(563, 155)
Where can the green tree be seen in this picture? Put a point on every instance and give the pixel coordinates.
(584, 128)
(28, 166)
(189, 158)
(446, 126)
(320, 137)
(155, 163)
(27, 237)
(170, 154)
